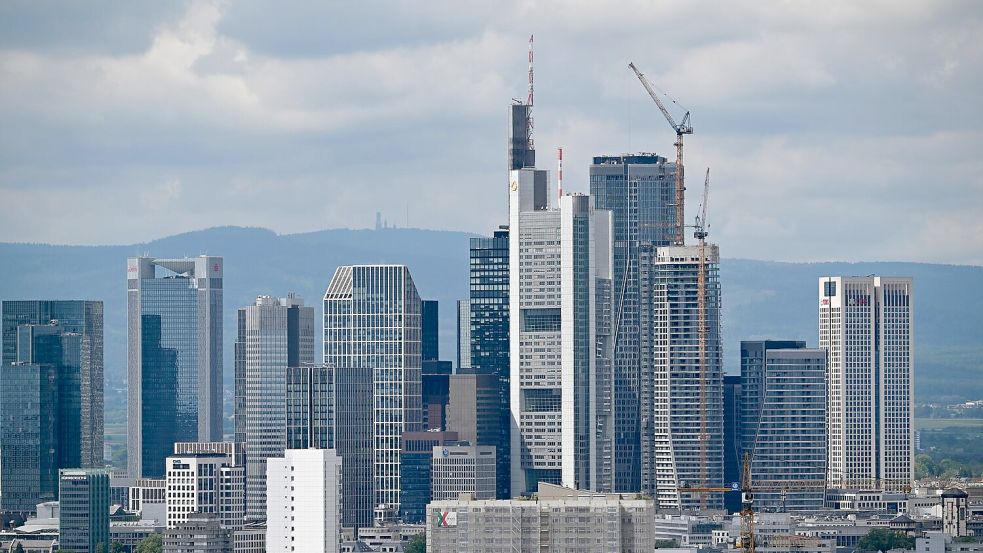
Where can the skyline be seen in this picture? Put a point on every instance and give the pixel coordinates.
(207, 115)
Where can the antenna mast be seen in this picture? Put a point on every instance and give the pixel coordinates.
(559, 171)
(529, 100)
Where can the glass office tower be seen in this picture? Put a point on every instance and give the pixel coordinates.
(273, 334)
(85, 320)
(174, 331)
(372, 318)
(639, 190)
(488, 333)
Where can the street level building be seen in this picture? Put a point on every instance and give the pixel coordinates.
(555, 520)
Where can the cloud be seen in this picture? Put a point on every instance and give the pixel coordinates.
(820, 125)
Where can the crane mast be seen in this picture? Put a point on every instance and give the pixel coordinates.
(682, 128)
(700, 233)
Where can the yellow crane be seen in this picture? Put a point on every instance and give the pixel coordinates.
(681, 128)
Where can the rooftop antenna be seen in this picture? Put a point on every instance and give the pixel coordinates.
(559, 170)
(530, 98)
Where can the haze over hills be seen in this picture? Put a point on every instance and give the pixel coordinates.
(762, 299)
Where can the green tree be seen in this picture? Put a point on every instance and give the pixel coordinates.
(100, 548)
(884, 539)
(417, 544)
(116, 547)
(153, 543)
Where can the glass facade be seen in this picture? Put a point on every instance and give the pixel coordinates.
(372, 318)
(20, 436)
(639, 190)
(783, 422)
(83, 524)
(329, 408)
(416, 462)
(273, 334)
(85, 415)
(175, 357)
(488, 331)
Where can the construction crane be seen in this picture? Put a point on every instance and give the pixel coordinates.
(747, 497)
(681, 128)
(700, 232)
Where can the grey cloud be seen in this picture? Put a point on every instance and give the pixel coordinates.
(821, 126)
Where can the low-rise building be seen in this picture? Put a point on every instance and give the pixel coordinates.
(556, 519)
(198, 533)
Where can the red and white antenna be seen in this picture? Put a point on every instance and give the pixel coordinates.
(559, 170)
(529, 99)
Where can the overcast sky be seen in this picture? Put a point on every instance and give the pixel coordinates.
(834, 131)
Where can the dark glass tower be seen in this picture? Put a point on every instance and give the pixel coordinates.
(329, 408)
(639, 190)
(174, 332)
(489, 309)
(84, 320)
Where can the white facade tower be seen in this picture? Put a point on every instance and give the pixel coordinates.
(560, 350)
(866, 328)
(303, 502)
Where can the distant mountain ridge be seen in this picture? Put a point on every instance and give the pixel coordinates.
(761, 299)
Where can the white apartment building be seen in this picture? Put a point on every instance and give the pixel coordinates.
(681, 421)
(560, 344)
(866, 327)
(303, 502)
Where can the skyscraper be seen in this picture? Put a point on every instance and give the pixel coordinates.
(732, 439)
(372, 319)
(430, 321)
(174, 332)
(85, 319)
(304, 505)
(560, 283)
(521, 151)
(416, 464)
(329, 408)
(489, 335)
(783, 422)
(865, 326)
(676, 411)
(273, 334)
(83, 522)
(22, 386)
(639, 191)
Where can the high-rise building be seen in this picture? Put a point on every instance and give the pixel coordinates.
(430, 321)
(372, 319)
(24, 390)
(521, 151)
(462, 468)
(682, 406)
(488, 307)
(303, 508)
(83, 522)
(84, 319)
(198, 533)
(174, 333)
(463, 334)
(783, 422)
(329, 408)
(273, 334)
(732, 440)
(416, 463)
(205, 480)
(474, 410)
(639, 191)
(560, 283)
(865, 326)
